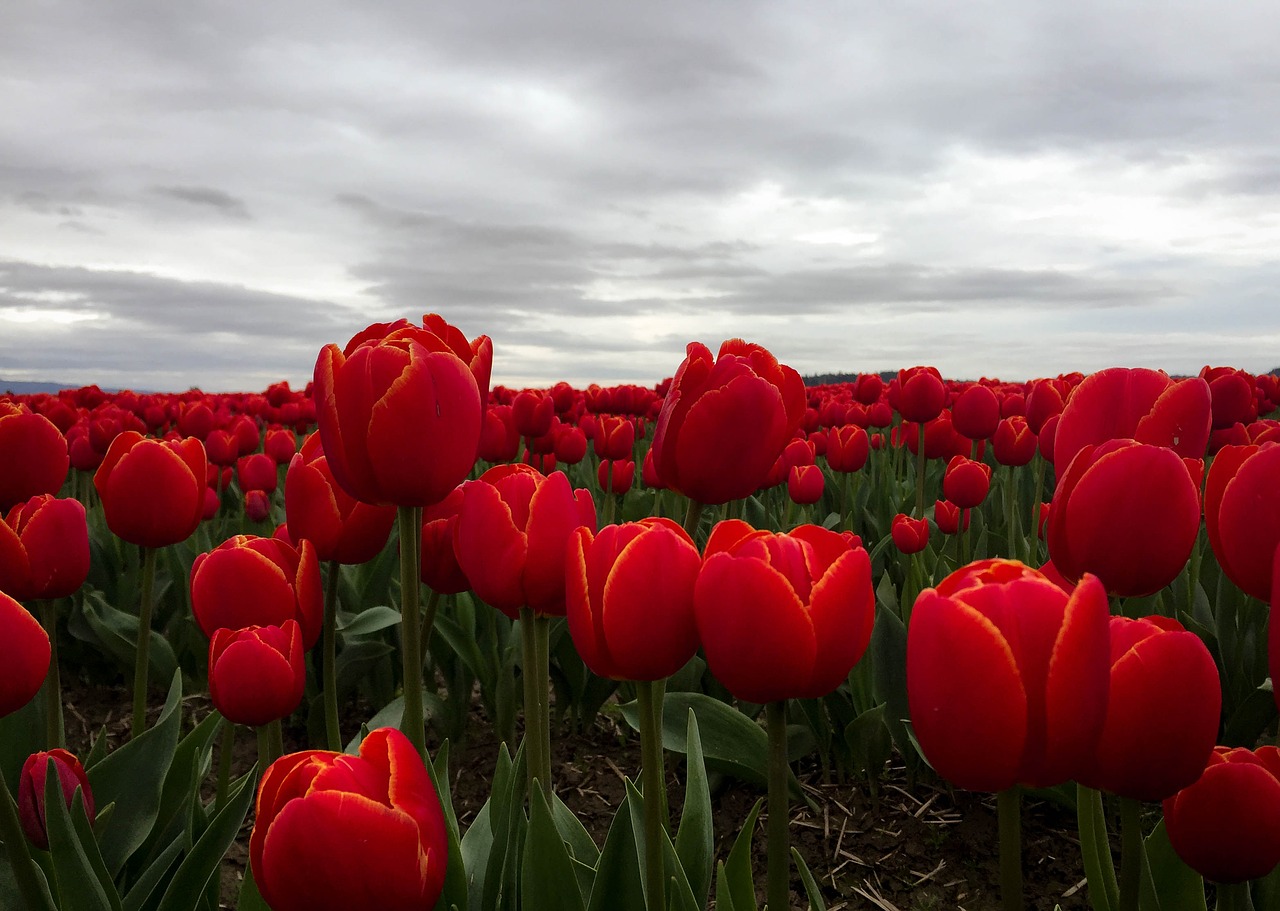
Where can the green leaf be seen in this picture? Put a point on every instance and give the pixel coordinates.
(888, 652)
(582, 846)
(9, 885)
(1172, 885)
(724, 895)
(190, 763)
(81, 878)
(250, 899)
(139, 894)
(737, 868)
(810, 886)
(695, 838)
(117, 633)
(390, 716)
(205, 857)
(732, 743)
(547, 870)
(455, 874)
(371, 620)
(619, 884)
(132, 777)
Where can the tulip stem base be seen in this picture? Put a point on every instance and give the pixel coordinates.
(142, 662)
(329, 659)
(778, 856)
(54, 731)
(653, 778)
(1009, 803)
(411, 722)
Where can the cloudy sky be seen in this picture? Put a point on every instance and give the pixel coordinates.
(205, 193)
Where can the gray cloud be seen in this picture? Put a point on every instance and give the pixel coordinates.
(206, 196)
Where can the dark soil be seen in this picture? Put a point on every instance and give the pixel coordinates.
(919, 846)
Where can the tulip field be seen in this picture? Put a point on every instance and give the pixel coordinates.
(406, 639)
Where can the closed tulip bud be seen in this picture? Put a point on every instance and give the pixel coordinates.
(253, 581)
(338, 831)
(630, 598)
(1127, 512)
(280, 444)
(532, 411)
(221, 448)
(570, 444)
(725, 421)
(1013, 443)
(33, 455)
(988, 706)
(1226, 825)
(966, 482)
(24, 655)
(1231, 396)
(31, 791)
(783, 616)
(44, 549)
(1043, 402)
(616, 476)
(805, 484)
(257, 674)
(1163, 708)
(152, 492)
(513, 528)
(949, 517)
(615, 438)
(848, 448)
(909, 535)
(257, 505)
(920, 394)
(499, 439)
(340, 527)
(976, 412)
(1242, 514)
(400, 408)
(257, 472)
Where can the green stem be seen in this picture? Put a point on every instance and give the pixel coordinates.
(276, 729)
(329, 659)
(1010, 809)
(411, 723)
(265, 750)
(1033, 539)
(429, 621)
(542, 654)
(1011, 514)
(54, 730)
(225, 750)
(779, 848)
(1234, 897)
(142, 663)
(1131, 851)
(25, 871)
(653, 780)
(533, 681)
(920, 476)
(1095, 848)
(692, 516)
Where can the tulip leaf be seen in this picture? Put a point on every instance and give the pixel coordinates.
(476, 845)
(582, 846)
(724, 895)
(888, 653)
(547, 869)
(132, 777)
(737, 869)
(370, 620)
(455, 881)
(186, 771)
(695, 838)
(732, 743)
(810, 886)
(9, 883)
(250, 899)
(117, 634)
(1171, 885)
(391, 715)
(619, 884)
(139, 894)
(202, 862)
(79, 872)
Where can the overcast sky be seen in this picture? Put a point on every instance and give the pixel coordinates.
(205, 193)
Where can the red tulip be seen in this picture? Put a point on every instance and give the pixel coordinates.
(221, 448)
(909, 535)
(257, 506)
(948, 517)
(649, 473)
(1007, 676)
(1226, 826)
(1127, 512)
(847, 448)
(1231, 392)
(532, 412)
(339, 526)
(280, 444)
(1162, 711)
(499, 439)
(44, 549)
(251, 581)
(805, 484)
(615, 437)
(616, 476)
(725, 422)
(920, 394)
(33, 455)
(570, 444)
(257, 674)
(630, 598)
(513, 528)
(400, 409)
(438, 564)
(1045, 401)
(31, 791)
(1013, 443)
(152, 492)
(1139, 404)
(783, 616)
(24, 655)
(1242, 513)
(338, 831)
(976, 412)
(257, 471)
(966, 482)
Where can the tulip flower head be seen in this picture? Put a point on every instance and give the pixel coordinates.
(31, 791)
(152, 491)
(44, 549)
(24, 655)
(257, 674)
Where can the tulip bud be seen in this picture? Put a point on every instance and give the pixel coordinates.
(31, 791)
